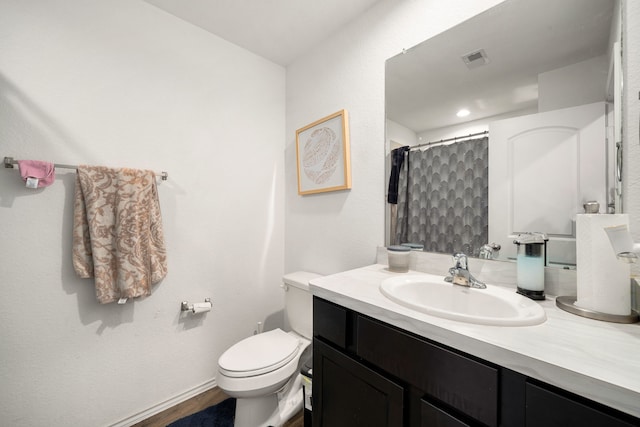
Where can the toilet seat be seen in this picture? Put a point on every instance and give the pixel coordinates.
(259, 354)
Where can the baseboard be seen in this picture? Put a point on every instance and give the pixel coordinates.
(156, 409)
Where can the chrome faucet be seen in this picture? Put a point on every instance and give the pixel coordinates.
(489, 251)
(459, 273)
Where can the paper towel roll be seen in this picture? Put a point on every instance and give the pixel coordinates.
(201, 307)
(603, 280)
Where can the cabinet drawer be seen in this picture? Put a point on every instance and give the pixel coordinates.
(465, 384)
(546, 408)
(330, 322)
(431, 416)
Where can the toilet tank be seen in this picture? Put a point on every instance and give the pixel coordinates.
(298, 302)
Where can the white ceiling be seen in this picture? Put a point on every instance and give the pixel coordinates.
(523, 38)
(279, 30)
(520, 37)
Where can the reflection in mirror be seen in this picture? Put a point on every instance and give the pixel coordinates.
(534, 83)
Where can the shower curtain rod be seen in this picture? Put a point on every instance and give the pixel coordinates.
(9, 162)
(486, 132)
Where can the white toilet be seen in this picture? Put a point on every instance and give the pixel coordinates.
(262, 372)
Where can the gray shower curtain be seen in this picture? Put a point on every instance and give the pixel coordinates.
(443, 195)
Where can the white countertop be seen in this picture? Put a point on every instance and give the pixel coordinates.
(595, 359)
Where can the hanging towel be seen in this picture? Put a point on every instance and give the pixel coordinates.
(397, 158)
(36, 173)
(117, 231)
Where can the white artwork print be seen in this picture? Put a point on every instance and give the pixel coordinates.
(322, 154)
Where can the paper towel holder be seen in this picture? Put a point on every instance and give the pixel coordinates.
(185, 306)
(624, 248)
(567, 303)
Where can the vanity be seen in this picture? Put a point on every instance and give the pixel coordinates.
(378, 363)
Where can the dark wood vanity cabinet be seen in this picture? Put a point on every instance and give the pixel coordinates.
(549, 408)
(352, 394)
(367, 373)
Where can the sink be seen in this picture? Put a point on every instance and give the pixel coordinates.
(430, 294)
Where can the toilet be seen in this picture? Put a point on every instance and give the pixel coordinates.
(262, 371)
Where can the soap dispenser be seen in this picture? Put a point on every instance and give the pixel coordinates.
(531, 260)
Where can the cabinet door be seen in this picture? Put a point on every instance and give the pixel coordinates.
(348, 394)
(546, 408)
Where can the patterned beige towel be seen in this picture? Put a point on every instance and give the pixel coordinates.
(117, 231)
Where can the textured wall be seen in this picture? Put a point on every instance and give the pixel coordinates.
(121, 83)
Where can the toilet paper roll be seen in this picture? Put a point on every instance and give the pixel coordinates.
(603, 280)
(201, 307)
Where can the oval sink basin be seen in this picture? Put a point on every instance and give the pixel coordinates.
(491, 306)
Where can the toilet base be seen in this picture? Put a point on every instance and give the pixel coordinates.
(273, 409)
(255, 411)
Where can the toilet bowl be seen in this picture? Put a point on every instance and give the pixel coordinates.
(263, 371)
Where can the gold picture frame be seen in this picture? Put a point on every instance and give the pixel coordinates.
(323, 155)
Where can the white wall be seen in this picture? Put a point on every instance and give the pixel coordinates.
(330, 232)
(576, 84)
(121, 83)
(398, 136)
(631, 112)
(471, 127)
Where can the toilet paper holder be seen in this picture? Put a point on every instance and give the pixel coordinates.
(185, 306)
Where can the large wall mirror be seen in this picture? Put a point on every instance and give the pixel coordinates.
(516, 113)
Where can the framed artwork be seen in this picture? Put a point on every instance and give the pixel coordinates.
(322, 152)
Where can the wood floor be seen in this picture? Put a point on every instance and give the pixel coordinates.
(198, 403)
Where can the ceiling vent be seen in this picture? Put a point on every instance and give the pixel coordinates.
(476, 59)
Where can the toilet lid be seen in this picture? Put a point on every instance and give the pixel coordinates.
(259, 354)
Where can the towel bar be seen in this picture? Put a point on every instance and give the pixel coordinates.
(9, 162)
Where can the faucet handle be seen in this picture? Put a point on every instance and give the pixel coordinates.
(460, 260)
